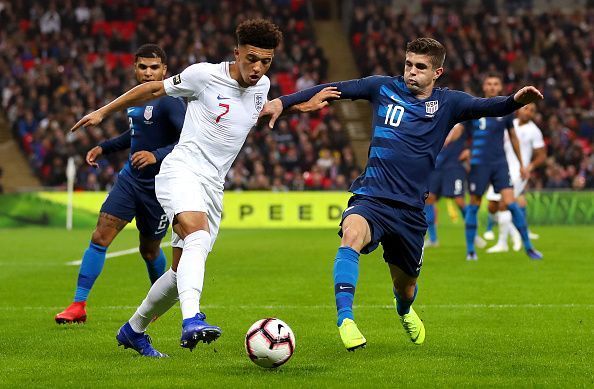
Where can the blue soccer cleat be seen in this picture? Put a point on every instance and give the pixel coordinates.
(196, 329)
(140, 342)
(534, 254)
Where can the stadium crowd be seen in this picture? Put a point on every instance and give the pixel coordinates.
(61, 59)
(551, 50)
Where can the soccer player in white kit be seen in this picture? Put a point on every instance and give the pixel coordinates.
(532, 149)
(224, 101)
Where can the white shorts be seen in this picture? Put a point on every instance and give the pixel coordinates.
(518, 184)
(180, 189)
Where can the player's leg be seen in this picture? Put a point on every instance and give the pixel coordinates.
(522, 203)
(519, 222)
(153, 255)
(152, 224)
(430, 218)
(108, 227)
(470, 225)
(405, 292)
(493, 208)
(403, 251)
(504, 219)
(356, 234)
(160, 298)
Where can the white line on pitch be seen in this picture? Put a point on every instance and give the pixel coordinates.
(116, 254)
(419, 306)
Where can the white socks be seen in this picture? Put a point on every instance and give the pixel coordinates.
(190, 272)
(161, 297)
(505, 224)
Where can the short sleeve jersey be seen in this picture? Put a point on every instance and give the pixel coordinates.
(219, 116)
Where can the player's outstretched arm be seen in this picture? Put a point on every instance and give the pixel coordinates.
(274, 108)
(137, 95)
(469, 107)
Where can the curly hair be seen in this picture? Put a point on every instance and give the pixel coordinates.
(259, 33)
(429, 47)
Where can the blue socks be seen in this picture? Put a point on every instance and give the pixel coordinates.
(403, 306)
(490, 222)
(430, 218)
(520, 222)
(90, 268)
(156, 267)
(470, 226)
(346, 273)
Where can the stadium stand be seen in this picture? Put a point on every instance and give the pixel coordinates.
(552, 50)
(59, 60)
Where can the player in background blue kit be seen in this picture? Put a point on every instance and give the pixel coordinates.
(448, 180)
(411, 119)
(488, 165)
(154, 130)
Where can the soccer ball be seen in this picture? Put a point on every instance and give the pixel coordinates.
(269, 342)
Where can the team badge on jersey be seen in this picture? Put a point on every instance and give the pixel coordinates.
(259, 101)
(431, 107)
(148, 112)
(177, 79)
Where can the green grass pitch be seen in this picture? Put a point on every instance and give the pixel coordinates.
(502, 321)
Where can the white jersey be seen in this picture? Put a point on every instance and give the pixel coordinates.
(218, 119)
(529, 138)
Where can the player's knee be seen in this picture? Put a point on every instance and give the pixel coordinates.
(149, 253)
(353, 237)
(101, 238)
(406, 291)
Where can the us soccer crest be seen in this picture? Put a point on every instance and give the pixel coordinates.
(431, 107)
(259, 101)
(148, 112)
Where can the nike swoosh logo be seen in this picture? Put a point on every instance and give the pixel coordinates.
(396, 100)
(345, 287)
(219, 97)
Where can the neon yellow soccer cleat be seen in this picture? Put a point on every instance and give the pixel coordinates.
(413, 326)
(351, 336)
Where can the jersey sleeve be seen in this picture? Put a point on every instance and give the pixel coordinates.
(361, 88)
(537, 139)
(469, 107)
(121, 142)
(189, 83)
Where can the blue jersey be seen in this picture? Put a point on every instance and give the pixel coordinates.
(449, 156)
(487, 138)
(408, 132)
(155, 127)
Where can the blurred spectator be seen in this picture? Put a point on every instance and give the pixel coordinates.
(551, 50)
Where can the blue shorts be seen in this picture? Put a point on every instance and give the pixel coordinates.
(400, 229)
(496, 174)
(447, 181)
(130, 198)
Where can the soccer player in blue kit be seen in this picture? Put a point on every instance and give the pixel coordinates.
(154, 130)
(488, 164)
(446, 180)
(411, 119)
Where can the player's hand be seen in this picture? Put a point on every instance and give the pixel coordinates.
(93, 154)
(319, 100)
(524, 173)
(274, 109)
(527, 95)
(142, 159)
(92, 119)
